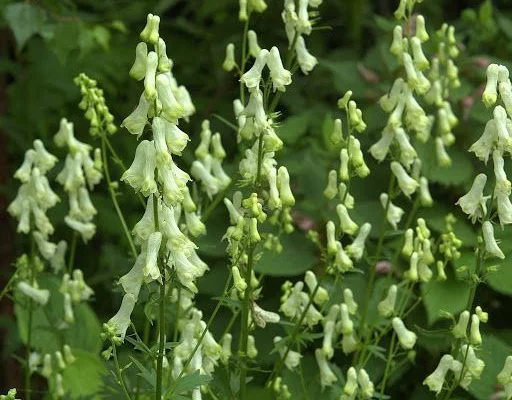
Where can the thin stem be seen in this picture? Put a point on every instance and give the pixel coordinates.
(113, 197)
(178, 310)
(208, 324)
(119, 374)
(161, 314)
(391, 355)
(231, 322)
(220, 196)
(71, 260)
(244, 335)
(373, 267)
(244, 57)
(28, 391)
(120, 162)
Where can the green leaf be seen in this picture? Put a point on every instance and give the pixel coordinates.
(191, 381)
(485, 12)
(149, 376)
(450, 295)
(505, 24)
(25, 20)
(49, 331)
(84, 376)
(459, 172)
(294, 127)
(296, 258)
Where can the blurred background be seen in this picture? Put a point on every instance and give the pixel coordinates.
(45, 44)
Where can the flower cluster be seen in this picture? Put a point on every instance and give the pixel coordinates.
(51, 367)
(80, 174)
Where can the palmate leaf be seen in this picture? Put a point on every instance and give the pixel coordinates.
(148, 376)
(187, 383)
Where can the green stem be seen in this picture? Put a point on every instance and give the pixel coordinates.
(178, 311)
(391, 355)
(28, 391)
(119, 374)
(208, 324)
(373, 268)
(244, 57)
(161, 314)
(113, 196)
(244, 335)
(120, 162)
(71, 260)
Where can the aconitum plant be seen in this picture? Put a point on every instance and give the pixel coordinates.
(324, 337)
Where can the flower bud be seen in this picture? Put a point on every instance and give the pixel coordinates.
(254, 47)
(420, 61)
(283, 184)
(229, 62)
(412, 273)
(350, 387)
(349, 344)
(150, 32)
(408, 243)
(443, 159)
(346, 324)
(441, 275)
(239, 282)
(397, 47)
(425, 197)
(474, 331)
(490, 94)
(138, 70)
(348, 298)
(332, 185)
(331, 238)
(386, 307)
(346, 223)
(459, 330)
(506, 373)
(406, 337)
(321, 295)
(344, 159)
(252, 351)
(365, 384)
(482, 316)
(421, 32)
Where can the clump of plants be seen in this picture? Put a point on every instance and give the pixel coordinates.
(325, 337)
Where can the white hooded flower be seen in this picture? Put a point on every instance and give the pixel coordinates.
(366, 385)
(121, 321)
(40, 296)
(327, 377)
(491, 246)
(141, 174)
(171, 109)
(305, 59)
(380, 149)
(435, 380)
(407, 184)
(346, 223)
(292, 359)
(485, 144)
(394, 213)
(356, 248)
(280, 76)
(251, 79)
(86, 229)
(474, 202)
